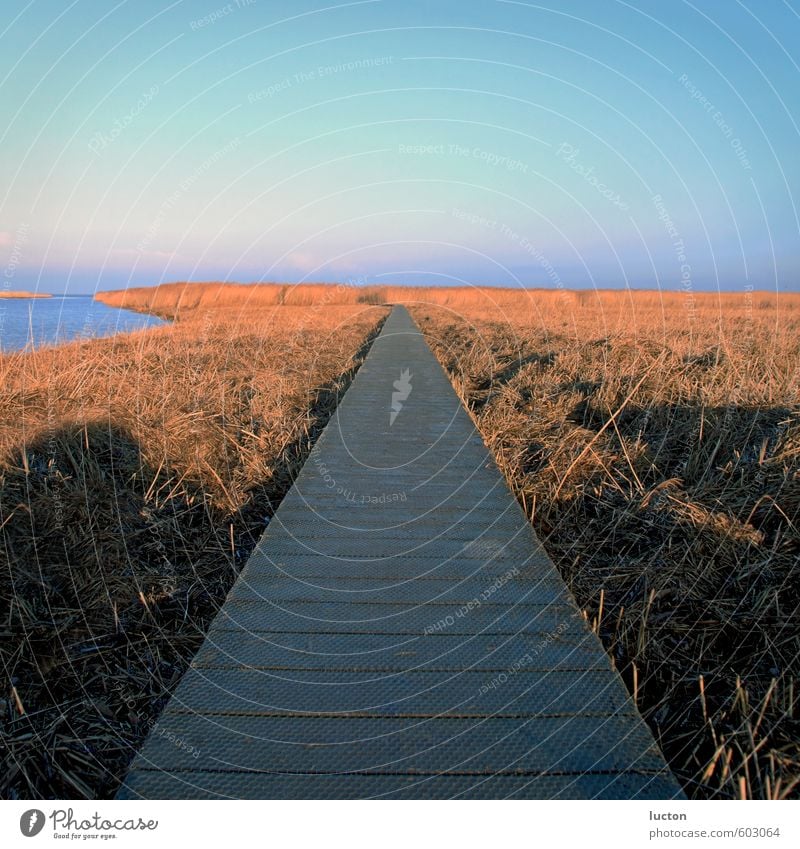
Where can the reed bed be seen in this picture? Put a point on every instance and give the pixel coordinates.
(136, 474)
(654, 441)
(176, 300)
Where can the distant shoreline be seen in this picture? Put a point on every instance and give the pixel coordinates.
(25, 295)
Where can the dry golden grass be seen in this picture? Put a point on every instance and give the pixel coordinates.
(653, 439)
(176, 300)
(136, 474)
(655, 444)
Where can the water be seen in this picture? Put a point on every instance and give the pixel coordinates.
(61, 319)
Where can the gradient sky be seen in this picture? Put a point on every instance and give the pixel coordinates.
(574, 143)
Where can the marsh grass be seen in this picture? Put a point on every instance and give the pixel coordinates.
(653, 439)
(655, 445)
(136, 474)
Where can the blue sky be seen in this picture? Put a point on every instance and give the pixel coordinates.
(574, 143)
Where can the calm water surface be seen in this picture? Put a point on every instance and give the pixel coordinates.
(34, 322)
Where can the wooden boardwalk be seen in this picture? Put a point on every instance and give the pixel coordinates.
(399, 631)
